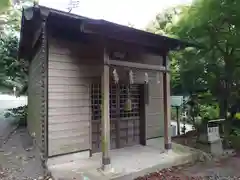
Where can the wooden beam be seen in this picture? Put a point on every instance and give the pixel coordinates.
(105, 120)
(37, 26)
(167, 107)
(137, 65)
(142, 125)
(36, 36)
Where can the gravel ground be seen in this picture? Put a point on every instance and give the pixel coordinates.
(18, 159)
(225, 169)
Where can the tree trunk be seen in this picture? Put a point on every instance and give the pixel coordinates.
(223, 104)
(223, 108)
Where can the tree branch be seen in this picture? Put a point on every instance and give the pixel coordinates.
(232, 51)
(212, 34)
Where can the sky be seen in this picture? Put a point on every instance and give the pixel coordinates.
(136, 12)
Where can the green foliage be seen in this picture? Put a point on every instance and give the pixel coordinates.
(12, 20)
(209, 112)
(10, 14)
(215, 67)
(4, 4)
(214, 25)
(13, 73)
(235, 131)
(237, 116)
(163, 22)
(19, 115)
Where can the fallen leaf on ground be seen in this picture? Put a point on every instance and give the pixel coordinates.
(29, 149)
(40, 178)
(7, 154)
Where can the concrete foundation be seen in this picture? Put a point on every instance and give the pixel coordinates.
(126, 163)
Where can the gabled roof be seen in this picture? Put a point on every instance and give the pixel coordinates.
(71, 22)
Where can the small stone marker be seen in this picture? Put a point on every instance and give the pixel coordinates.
(210, 135)
(213, 134)
(214, 140)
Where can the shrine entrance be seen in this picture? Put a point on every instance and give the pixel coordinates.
(124, 120)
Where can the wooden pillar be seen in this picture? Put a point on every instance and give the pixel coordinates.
(105, 120)
(167, 107)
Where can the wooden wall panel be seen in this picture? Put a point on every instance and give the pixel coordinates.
(35, 97)
(72, 70)
(154, 109)
(69, 104)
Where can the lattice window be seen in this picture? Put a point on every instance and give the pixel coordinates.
(113, 102)
(119, 94)
(96, 101)
(134, 96)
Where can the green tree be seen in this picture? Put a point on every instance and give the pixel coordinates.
(162, 25)
(4, 4)
(13, 73)
(10, 13)
(214, 25)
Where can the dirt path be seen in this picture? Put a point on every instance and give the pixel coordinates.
(18, 159)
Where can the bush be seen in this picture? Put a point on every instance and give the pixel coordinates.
(234, 141)
(234, 138)
(209, 112)
(237, 116)
(19, 114)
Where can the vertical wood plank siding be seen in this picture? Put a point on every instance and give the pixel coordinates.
(72, 70)
(69, 103)
(154, 109)
(35, 96)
